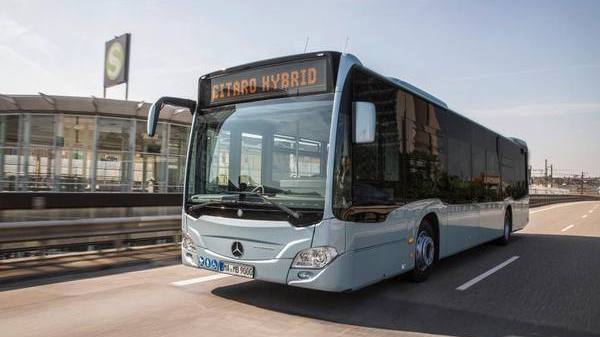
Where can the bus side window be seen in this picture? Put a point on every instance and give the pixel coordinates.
(377, 164)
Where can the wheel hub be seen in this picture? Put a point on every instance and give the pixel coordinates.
(425, 251)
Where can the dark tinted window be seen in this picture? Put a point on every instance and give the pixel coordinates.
(406, 161)
(492, 178)
(479, 138)
(478, 169)
(424, 150)
(420, 151)
(459, 170)
(521, 175)
(377, 165)
(458, 134)
(513, 170)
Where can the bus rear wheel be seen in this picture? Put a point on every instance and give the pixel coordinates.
(424, 252)
(507, 230)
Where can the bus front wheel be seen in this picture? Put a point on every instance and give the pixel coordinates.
(424, 252)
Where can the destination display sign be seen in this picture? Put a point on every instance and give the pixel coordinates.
(286, 79)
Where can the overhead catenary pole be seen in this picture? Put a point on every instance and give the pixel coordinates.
(546, 172)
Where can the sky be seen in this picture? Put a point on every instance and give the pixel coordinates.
(529, 69)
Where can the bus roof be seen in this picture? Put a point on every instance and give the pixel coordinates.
(412, 89)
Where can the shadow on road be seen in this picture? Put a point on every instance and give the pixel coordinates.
(397, 304)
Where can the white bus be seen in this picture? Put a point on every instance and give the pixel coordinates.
(314, 171)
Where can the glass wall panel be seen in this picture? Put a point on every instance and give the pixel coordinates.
(11, 156)
(40, 169)
(149, 173)
(62, 152)
(145, 143)
(178, 142)
(114, 160)
(77, 131)
(75, 165)
(176, 174)
(113, 134)
(178, 136)
(111, 171)
(74, 141)
(42, 130)
(9, 124)
(40, 163)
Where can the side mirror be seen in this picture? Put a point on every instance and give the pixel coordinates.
(363, 119)
(155, 109)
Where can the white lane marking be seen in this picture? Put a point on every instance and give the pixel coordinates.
(199, 280)
(567, 228)
(486, 274)
(584, 216)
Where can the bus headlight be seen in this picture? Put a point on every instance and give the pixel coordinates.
(314, 258)
(187, 243)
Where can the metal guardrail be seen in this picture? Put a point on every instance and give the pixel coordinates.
(53, 200)
(536, 200)
(42, 237)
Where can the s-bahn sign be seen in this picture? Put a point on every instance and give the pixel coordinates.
(116, 60)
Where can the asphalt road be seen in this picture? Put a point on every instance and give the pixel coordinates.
(546, 282)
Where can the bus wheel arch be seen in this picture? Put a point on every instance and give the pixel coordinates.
(433, 220)
(426, 248)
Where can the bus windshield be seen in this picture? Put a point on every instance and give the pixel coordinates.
(275, 149)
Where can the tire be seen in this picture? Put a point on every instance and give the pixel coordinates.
(507, 230)
(425, 252)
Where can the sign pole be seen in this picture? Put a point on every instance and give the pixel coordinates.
(126, 90)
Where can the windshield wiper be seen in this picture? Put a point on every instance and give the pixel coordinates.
(282, 207)
(264, 199)
(203, 204)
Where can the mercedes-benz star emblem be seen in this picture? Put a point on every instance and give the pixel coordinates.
(237, 249)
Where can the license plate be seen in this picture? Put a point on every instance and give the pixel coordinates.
(226, 267)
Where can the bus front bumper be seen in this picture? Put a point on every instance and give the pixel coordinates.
(334, 277)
